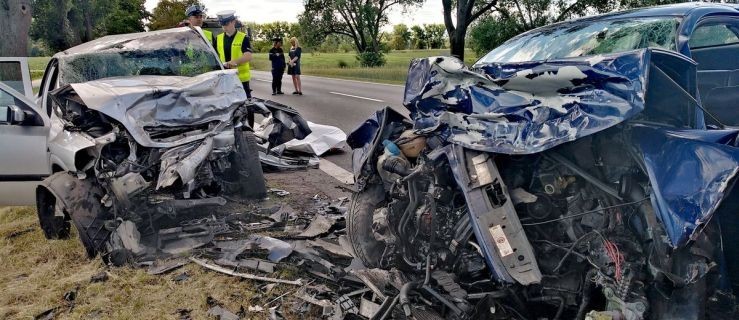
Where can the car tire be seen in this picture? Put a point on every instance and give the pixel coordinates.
(53, 220)
(248, 167)
(359, 225)
(81, 202)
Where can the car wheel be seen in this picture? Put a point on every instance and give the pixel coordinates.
(52, 218)
(80, 200)
(359, 225)
(247, 166)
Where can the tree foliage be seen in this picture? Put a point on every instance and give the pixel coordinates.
(61, 24)
(435, 34)
(420, 38)
(361, 20)
(400, 38)
(168, 13)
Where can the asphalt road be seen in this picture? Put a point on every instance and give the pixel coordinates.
(341, 103)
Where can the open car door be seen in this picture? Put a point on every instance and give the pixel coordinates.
(24, 159)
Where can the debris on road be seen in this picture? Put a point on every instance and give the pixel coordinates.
(299, 153)
(216, 268)
(278, 192)
(101, 276)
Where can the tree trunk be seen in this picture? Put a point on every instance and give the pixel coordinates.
(456, 42)
(15, 22)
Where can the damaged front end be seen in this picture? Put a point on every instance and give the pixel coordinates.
(147, 152)
(583, 188)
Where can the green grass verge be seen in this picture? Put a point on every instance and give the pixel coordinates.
(327, 65)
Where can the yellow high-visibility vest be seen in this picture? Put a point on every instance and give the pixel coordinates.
(244, 68)
(208, 35)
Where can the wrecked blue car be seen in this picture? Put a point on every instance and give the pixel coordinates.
(583, 170)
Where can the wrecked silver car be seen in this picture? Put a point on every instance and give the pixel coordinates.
(579, 171)
(146, 127)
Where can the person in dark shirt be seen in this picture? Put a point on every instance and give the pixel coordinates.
(234, 49)
(277, 57)
(293, 68)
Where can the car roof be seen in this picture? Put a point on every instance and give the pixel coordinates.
(677, 10)
(117, 40)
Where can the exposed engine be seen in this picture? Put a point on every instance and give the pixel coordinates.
(582, 206)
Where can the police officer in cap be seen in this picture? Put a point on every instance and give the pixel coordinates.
(195, 15)
(234, 49)
(277, 57)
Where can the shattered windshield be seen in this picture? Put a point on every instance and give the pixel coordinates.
(169, 54)
(584, 39)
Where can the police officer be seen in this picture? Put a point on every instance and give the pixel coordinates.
(277, 57)
(195, 16)
(234, 49)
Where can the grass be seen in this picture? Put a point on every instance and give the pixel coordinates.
(37, 66)
(328, 65)
(35, 273)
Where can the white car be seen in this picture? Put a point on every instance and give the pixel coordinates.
(126, 132)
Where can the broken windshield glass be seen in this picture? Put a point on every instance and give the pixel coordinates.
(175, 52)
(584, 39)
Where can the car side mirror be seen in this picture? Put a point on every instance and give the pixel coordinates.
(12, 115)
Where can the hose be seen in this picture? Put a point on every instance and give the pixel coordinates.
(404, 301)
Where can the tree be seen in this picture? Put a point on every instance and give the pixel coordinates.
(420, 38)
(435, 35)
(489, 32)
(127, 17)
(466, 11)
(168, 13)
(401, 37)
(61, 24)
(278, 29)
(361, 20)
(15, 21)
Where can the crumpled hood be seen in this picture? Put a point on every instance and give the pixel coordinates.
(140, 102)
(529, 107)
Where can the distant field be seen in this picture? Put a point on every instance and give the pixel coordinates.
(327, 65)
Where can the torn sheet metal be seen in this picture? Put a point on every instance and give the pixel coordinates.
(216, 268)
(161, 267)
(331, 248)
(283, 124)
(529, 107)
(288, 162)
(222, 314)
(182, 162)
(702, 171)
(252, 264)
(322, 139)
(320, 225)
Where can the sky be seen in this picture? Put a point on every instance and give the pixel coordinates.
(262, 11)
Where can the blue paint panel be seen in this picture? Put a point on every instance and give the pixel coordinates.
(690, 172)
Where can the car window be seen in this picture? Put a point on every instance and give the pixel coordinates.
(11, 74)
(587, 38)
(7, 99)
(167, 54)
(715, 34)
